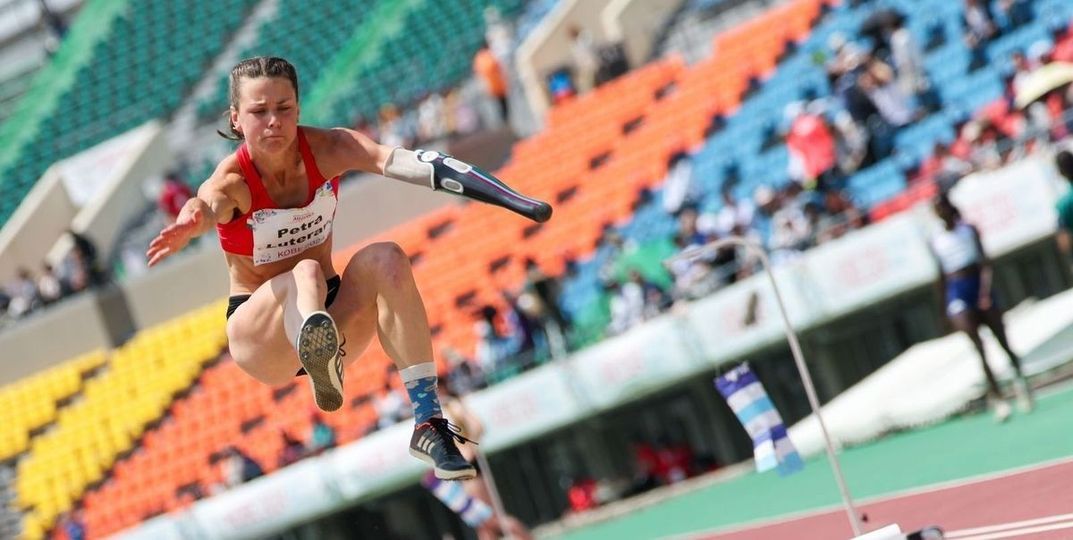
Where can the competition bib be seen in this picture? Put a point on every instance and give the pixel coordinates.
(279, 233)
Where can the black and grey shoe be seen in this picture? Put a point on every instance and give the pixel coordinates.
(434, 443)
(320, 354)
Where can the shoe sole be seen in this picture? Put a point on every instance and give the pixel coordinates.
(442, 474)
(318, 351)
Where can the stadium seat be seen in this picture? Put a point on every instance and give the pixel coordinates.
(141, 378)
(126, 81)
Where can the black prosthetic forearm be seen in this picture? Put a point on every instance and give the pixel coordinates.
(461, 178)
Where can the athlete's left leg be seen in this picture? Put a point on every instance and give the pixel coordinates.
(378, 295)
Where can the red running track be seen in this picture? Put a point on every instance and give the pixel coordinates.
(1043, 491)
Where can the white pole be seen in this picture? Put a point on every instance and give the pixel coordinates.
(493, 493)
(802, 368)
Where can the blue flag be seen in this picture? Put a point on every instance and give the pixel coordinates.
(772, 448)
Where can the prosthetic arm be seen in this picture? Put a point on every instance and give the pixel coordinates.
(445, 173)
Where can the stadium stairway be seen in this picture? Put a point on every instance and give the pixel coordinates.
(10, 520)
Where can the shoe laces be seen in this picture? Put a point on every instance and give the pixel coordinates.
(342, 352)
(447, 431)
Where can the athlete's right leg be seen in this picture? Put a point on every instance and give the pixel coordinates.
(284, 315)
(968, 322)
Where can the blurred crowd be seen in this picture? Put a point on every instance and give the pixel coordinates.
(79, 270)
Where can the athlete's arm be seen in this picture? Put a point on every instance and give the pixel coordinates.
(440, 172)
(217, 201)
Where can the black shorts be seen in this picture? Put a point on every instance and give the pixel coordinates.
(233, 302)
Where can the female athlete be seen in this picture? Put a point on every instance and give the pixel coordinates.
(272, 203)
(966, 278)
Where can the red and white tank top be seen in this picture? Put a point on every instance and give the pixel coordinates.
(269, 233)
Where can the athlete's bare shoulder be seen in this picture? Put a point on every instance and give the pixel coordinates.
(341, 150)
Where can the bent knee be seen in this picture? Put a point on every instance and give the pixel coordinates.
(385, 259)
(308, 269)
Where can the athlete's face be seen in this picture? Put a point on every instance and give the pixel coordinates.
(267, 114)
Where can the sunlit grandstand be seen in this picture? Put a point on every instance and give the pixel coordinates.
(684, 145)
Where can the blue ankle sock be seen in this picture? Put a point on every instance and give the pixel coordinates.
(420, 381)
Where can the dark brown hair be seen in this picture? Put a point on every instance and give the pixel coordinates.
(251, 68)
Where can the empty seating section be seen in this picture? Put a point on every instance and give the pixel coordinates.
(304, 35)
(142, 377)
(408, 56)
(32, 403)
(143, 68)
(226, 407)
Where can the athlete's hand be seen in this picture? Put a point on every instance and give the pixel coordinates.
(174, 237)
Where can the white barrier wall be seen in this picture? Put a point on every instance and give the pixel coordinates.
(1014, 206)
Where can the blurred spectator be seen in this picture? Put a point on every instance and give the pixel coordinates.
(811, 146)
(54, 27)
(463, 375)
(322, 436)
(613, 62)
(841, 216)
(462, 118)
(694, 267)
(391, 128)
(626, 305)
(1022, 67)
(674, 461)
(877, 81)
(498, 35)
(908, 59)
(173, 195)
(494, 347)
(586, 60)
(851, 143)
(984, 140)
(646, 466)
(679, 188)
(943, 166)
(50, 287)
(1064, 162)
(521, 330)
(561, 85)
(733, 214)
(431, 118)
(767, 203)
(547, 289)
(292, 451)
(789, 229)
(236, 467)
(492, 76)
(85, 262)
(634, 302)
(979, 29)
(24, 294)
(71, 525)
(582, 494)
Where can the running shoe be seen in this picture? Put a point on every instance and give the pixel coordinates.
(434, 443)
(320, 354)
